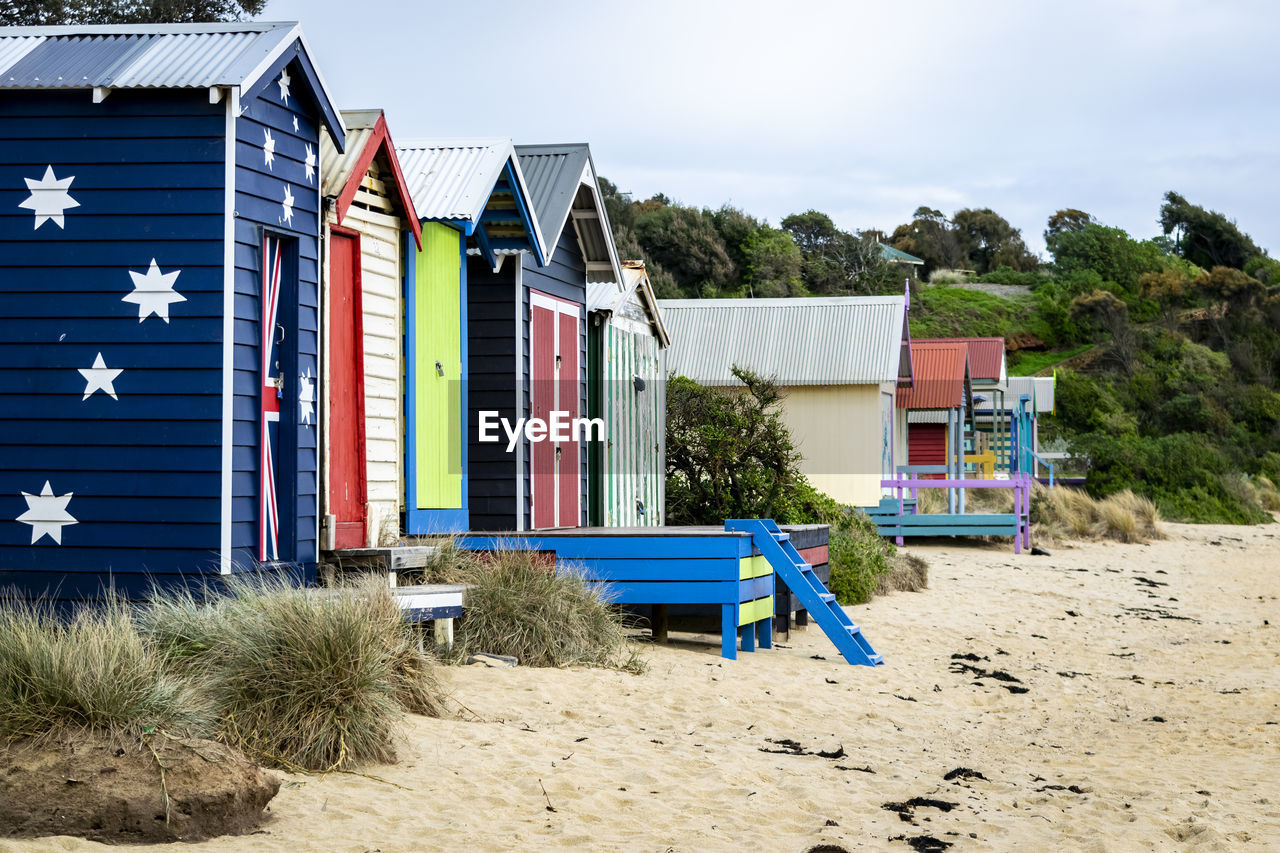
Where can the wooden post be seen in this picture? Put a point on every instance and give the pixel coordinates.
(659, 623)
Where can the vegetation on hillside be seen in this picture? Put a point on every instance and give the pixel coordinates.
(1174, 340)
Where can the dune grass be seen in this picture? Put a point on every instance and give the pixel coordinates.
(93, 671)
(312, 679)
(1064, 513)
(518, 605)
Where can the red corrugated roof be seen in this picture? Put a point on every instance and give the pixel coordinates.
(985, 355)
(939, 369)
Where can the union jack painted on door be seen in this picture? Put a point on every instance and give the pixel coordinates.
(272, 393)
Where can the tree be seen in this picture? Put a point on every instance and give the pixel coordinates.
(1067, 219)
(685, 242)
(773, 263)
(1205, 237)
(729, 454)
(990, 242)
(1112, 315)
(1110, 252)
(61, 12)
(933, 238)
(836, 262)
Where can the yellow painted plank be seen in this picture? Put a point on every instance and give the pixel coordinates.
(753, 567)
(754, 611)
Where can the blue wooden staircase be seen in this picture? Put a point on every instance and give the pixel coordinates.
(804, 584)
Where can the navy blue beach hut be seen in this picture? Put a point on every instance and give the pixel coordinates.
(159, 235)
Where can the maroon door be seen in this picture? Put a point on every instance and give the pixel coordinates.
(927, 445)
(347, 479)
(542, 376)
(567, 456)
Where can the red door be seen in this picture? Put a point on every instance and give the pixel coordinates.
(568, 487)
(542, 375)
(927, 445)
(347, 489)
(555, 392)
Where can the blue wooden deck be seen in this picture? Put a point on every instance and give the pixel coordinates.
(664, 565)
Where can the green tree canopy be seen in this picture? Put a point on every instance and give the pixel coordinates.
(63, 12)
(1206, 237)
(686, 243)
(990, 242)
(837, 262)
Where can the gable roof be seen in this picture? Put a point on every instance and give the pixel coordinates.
(897, 256)
(159, 56)
(562, 183)
(940, 371)
(477, 183)
(847, 340)
(986, 357)
(607, 297)
(343, 173)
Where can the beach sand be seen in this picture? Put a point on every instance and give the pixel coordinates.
(1150, 721)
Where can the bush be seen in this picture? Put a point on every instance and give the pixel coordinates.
(94, 672)
(518, 605)
(859, 557)
(313, 679)
(907, 573)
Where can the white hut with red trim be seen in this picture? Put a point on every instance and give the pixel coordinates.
(369, 220)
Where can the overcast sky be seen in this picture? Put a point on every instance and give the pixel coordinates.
(864, 111)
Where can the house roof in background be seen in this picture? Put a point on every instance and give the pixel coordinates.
(562, 184)
(156, 56)
(889, 253)
(939, 372)
(854, 340)
(986, 357)
(456, 180)
(343, 173)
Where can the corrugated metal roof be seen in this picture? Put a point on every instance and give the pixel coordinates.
(562, 184)
(1039, 388)
(986, 357)
(853, 340)
(126, 57)
(609, 296)
(452, 178)
(336, 168)
(152, 56)
(938, 376)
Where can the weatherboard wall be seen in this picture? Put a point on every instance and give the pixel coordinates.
(141, 471)
(280, 198)
(628, 468)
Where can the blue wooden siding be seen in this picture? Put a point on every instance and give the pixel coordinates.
(143, 470)
(260, 192)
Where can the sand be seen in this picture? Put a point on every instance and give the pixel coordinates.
(1150, 721)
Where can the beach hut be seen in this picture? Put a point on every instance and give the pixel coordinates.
(159, 237)
(627, 372)
(370, 227)
(839, 361)
(939, 406)
(466, 330)
(988, 370)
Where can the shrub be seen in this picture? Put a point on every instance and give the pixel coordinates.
(93, 672)
(858, 558)
(518, 605)
(315, 679)
(907, 573)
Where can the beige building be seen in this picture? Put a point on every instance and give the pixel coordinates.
(839, 361)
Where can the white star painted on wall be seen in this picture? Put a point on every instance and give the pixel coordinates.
(49, 198)
(284, 84)
(153, 292)
(295, 124)
(310, 164)
(269, 150)
(100, 378)
(47, 514)
(306, 397)
(287, 204)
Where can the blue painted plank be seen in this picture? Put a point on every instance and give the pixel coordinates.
(92, 536)
(97, 185)
(14, 480)
(97, 152)
(75, 281)
(123, 102)
(138, 457)
(113, 432)
(35, 251)
(670, 593)
(651, 570)
(133, 584)
(113, 127)
(159, 406)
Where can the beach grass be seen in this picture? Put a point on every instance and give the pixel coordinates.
(94, 670)
(311, 679)
(520, 606)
